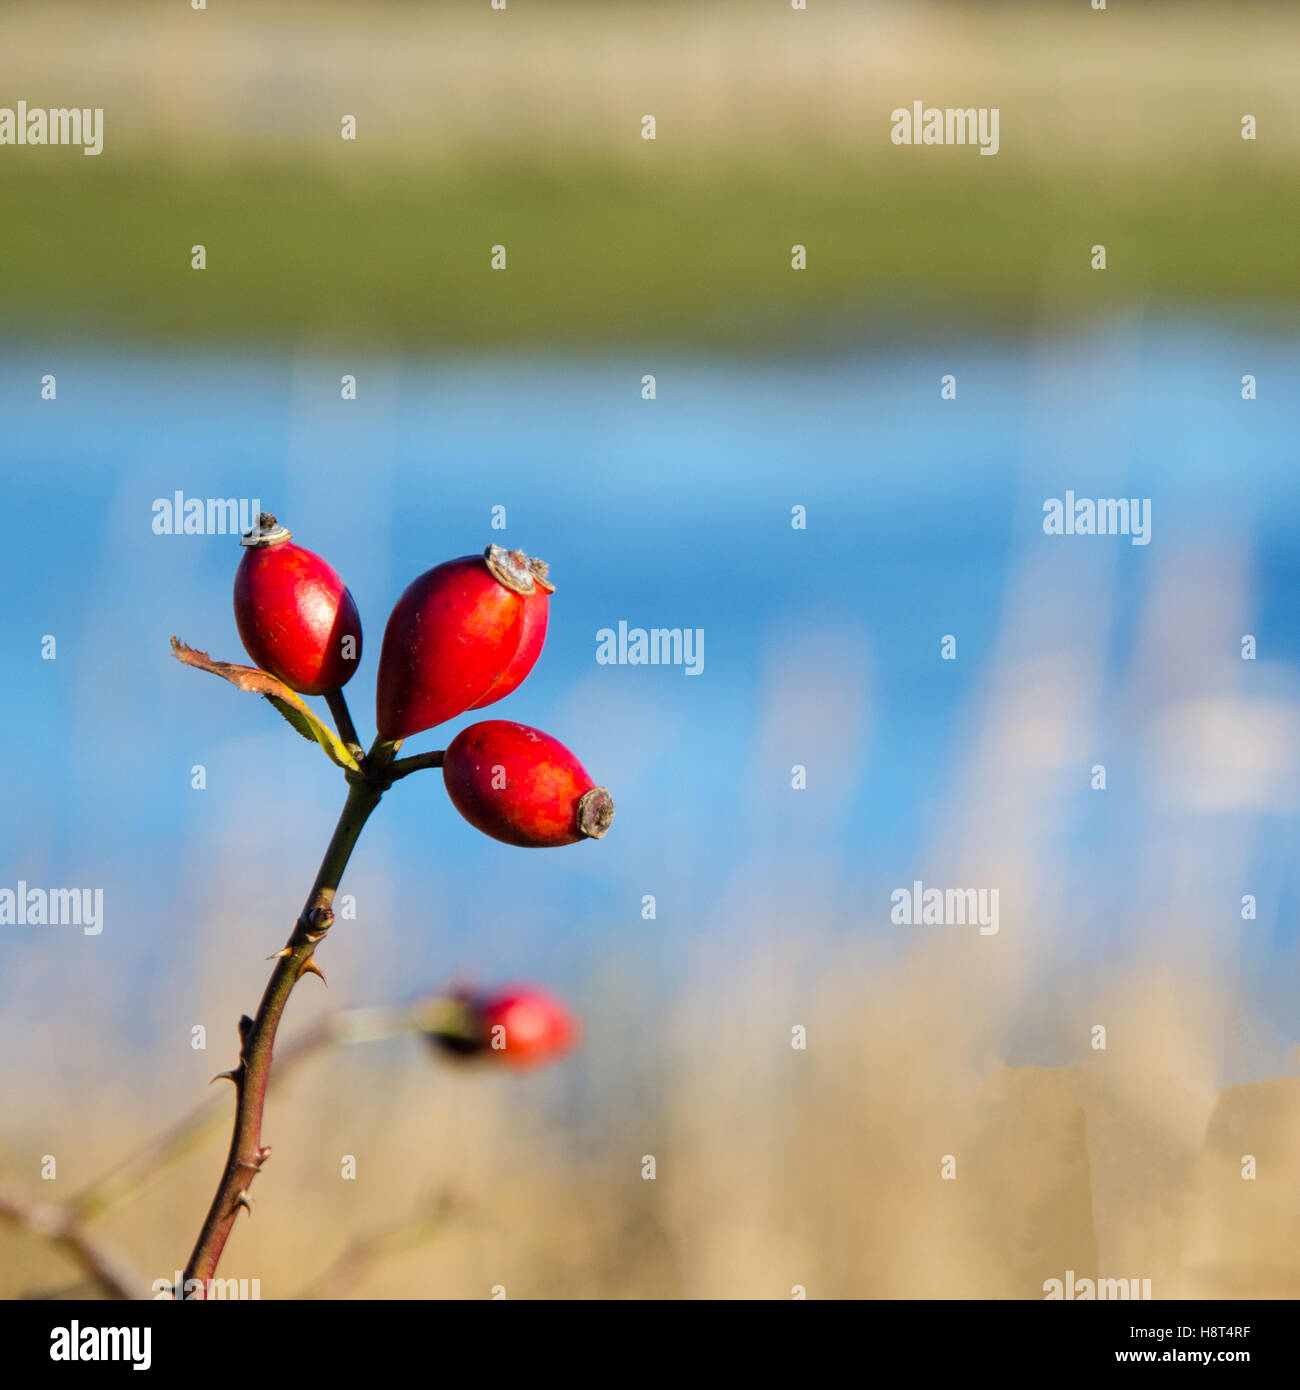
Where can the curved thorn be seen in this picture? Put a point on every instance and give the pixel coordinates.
(309, 967)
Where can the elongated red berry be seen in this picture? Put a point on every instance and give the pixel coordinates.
(295, 615)
(522, 786)
(464, 633)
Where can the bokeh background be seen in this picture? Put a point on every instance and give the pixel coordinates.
(1121, 908)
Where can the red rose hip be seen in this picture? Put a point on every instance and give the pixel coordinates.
(532, 634)
(526, 1027)
(295, 615)
(463, 635)
(521, 1026)
(523, 787)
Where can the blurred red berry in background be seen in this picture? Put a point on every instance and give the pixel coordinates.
(521, 1026)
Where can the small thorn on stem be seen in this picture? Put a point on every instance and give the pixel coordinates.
(227, 1076)
(258, 1035)
(309, 967)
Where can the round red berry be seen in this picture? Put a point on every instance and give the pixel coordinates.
(526, 1026)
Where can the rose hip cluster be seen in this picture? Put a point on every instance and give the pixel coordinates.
(463, 636)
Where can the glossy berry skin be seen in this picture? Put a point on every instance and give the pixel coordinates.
(458, 638)
(523, 787)
(526, 1027)
(294, 615)
(532, 634)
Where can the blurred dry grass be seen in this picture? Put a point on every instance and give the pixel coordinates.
(1141, 85)
(779, 1167)
(775, 1167)
(523, 128)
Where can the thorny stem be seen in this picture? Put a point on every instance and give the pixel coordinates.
(64, 1225)
(122, 1184)
(257, 1035)
(117, 1188)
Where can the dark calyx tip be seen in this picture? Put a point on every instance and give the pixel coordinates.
(541, 573)
(595, 813)
(456, 1044)
(517, 571)
(268, 531)
(455, 1025)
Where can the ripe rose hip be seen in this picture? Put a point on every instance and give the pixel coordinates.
(527, 1026)
(520, 1027)
(522, 786)
(463, 635)
(295, 616)
(532, 634)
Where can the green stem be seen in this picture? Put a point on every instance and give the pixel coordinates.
(403, 767)
(252, 1074)
(343, 723)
